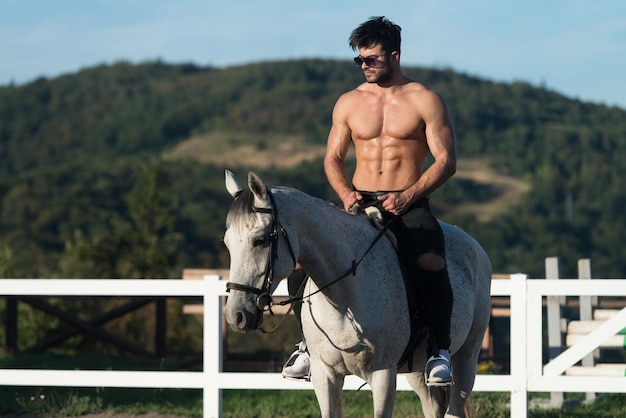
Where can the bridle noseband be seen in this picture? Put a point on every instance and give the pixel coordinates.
(264, 299)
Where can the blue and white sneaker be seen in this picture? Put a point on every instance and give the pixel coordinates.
(297, 366)
(438, 370)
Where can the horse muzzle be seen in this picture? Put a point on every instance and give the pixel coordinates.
(243, 320)
(244, 310)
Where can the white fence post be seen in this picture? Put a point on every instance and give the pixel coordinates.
(212, 358)
(519, 344)
(553, 272)
(586, 314)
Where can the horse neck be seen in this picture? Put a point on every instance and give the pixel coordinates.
(329, 240)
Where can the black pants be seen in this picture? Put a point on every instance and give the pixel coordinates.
(425, 235)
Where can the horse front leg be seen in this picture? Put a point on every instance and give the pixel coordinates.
(383, 384)
(328, 387)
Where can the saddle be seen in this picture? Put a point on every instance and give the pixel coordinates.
(396, 232)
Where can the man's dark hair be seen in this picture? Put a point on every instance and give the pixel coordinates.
(377, 30)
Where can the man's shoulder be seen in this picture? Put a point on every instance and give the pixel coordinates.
(361, 89)
(351, 95)
(416, 87)
(423, 95)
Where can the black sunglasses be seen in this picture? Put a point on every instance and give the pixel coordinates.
(369, 61)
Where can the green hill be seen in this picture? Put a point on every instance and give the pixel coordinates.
(540, 174)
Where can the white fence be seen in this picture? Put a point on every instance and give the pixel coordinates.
(527, 371)
(108, 378)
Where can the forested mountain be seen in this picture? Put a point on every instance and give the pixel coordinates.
(117, 171)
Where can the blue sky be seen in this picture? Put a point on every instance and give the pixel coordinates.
(576, 47)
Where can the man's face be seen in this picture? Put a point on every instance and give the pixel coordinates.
(375, 64)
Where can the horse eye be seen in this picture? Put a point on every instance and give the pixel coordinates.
(259, 241)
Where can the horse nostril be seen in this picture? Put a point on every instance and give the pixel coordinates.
(240, 320)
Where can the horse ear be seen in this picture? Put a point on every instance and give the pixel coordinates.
(257, 187)
(232, 185)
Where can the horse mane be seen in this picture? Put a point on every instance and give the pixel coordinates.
(241, 212)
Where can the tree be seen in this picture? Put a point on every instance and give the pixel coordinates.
(142, 244)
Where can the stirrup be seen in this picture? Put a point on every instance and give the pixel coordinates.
(438, 370)
(297, 367)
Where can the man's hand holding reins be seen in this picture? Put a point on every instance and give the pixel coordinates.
(351, 201)
(395, 202)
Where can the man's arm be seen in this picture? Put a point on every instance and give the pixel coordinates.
(441, 141)
(337, 147)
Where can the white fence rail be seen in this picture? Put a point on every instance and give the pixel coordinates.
(108, 378)
(527, 371)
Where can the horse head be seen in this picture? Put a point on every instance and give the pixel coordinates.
(253, 235)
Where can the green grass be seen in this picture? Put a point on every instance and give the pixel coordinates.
(73, 402)
(69, 402)
(62, 401)
(302, 404)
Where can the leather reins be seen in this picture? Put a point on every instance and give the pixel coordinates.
(264, 301)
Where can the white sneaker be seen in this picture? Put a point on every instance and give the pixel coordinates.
(438, 370)
(298, 366)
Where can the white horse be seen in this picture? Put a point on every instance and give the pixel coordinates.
(355, 315)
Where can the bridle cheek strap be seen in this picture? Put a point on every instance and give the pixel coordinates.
(264, 300)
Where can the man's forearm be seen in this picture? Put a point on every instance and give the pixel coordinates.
(337, 177)
(435, 176)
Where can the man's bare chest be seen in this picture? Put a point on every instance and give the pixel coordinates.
(393, 121)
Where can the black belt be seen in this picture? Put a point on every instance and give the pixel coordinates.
(372, 197)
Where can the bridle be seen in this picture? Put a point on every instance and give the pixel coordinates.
(264, 300)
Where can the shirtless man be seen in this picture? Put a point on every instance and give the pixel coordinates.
(394, 122)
